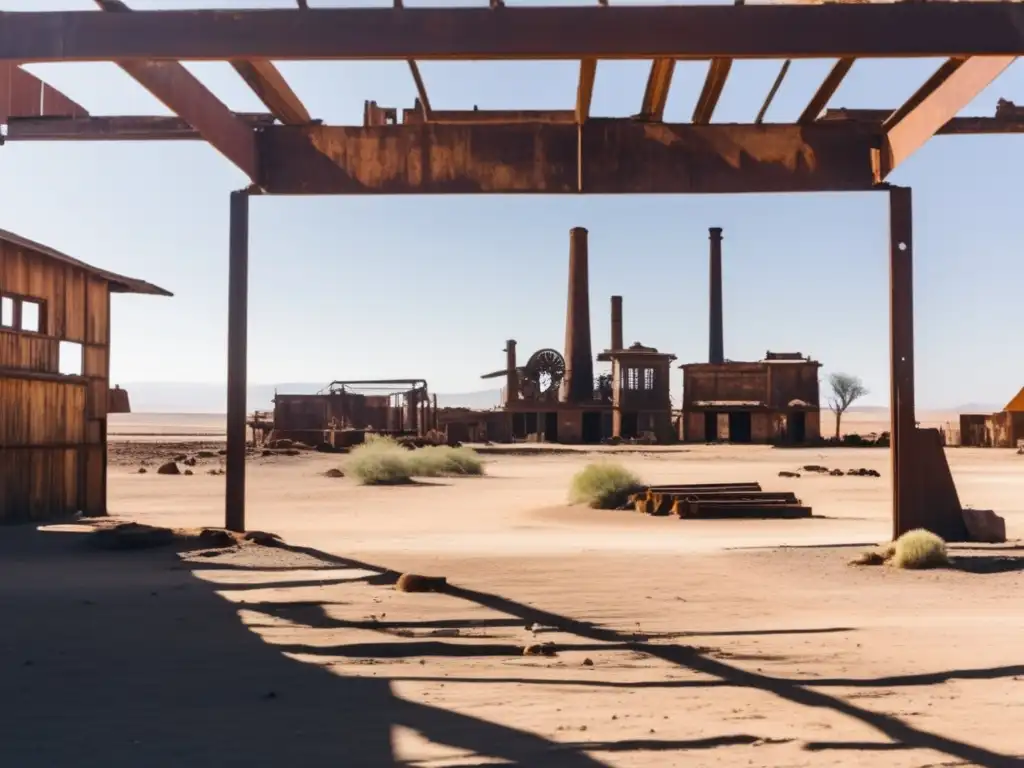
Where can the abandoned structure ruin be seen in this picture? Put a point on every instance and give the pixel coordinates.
(343, 411)
(1003, 429)
(54, 374)
(568, 151)
(557, 398)
(774, 400)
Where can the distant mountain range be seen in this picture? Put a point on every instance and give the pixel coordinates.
(168, 397)
(171, 397)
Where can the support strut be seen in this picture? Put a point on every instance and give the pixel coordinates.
(238, 299)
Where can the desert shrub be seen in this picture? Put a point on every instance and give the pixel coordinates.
(603, 485)
(919, 549)
(379, 462)
(878, 556)
(441, 460)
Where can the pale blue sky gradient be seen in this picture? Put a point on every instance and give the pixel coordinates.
(350, 287)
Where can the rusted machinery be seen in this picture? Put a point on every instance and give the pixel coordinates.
(718, 501)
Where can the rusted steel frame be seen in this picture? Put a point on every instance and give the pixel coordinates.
(22, 94)
(659, 81)
(955, 85)
(183, 94)
(269, 84)
(718, 73)
(641, 32)
(421, 91)
(901, 353)
(827, 90)
(603, 156)
(585, 90)
(490, 116)
(956, 126)
(238, 320)
(129, 128)
(783, 70)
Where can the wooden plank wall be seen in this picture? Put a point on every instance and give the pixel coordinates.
(53, 428)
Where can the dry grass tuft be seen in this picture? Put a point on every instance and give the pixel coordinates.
(603, 485)
(379, 462)
(442, 460)
(920, 549)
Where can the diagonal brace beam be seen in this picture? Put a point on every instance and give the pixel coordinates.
(955, 85)
(269, 84)
(181, 92)
(656, 94)
(714, 83)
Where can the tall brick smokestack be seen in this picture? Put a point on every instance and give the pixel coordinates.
(716, 352)
(578, 385)
(616, 322)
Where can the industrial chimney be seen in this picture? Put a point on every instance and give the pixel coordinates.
(616, 322)
(716, 353)
(511, 372)
(578, 384)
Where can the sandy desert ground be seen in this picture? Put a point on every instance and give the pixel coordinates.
(681, 643)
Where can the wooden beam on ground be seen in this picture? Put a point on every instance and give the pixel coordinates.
(269, 84)
(181, 92)
(656, 93)
(827, 90)
(469, 33)
(602, 156)
(955, 85)
(718, 73)
(585, 89)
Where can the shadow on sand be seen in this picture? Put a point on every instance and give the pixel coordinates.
(127, 659)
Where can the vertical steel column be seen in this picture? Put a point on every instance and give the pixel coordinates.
(617, 338)
(901, 357)
(716, 345)
(578, 384)
(238, 314)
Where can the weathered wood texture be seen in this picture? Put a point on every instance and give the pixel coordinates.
(53, 426)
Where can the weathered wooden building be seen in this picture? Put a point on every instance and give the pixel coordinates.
(54, 380)
(1004, 429)
(774, 400)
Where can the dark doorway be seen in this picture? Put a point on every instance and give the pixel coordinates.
(531, 424)
(518, 426)
(629, 425)
(739, 428)
(591, 427)
(551, 427)
(710, 427)
(796, 427)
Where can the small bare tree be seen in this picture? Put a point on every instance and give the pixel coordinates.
(845, 389)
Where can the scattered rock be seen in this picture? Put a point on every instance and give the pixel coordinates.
(541, 649)
(588, 662)
(190, 461)
(413, 582)
(984, 525)
(836, 473)
(784, 473)
(142, 470)
(264, 539)
(335, 472)
(188, 472)
(265, 452)
(815, 468)
(215, 471)
(206, 455)
(180, 457)
(170, 468)
(864, 472)
(216, 537)
(445, 633)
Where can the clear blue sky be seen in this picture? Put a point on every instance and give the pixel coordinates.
(348, 287)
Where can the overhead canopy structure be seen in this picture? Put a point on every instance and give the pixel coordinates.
(426, 150)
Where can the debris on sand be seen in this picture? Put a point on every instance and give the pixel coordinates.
(815, 468)
(142, 470)
(206, 455)
(984, 525)
(784, 473)
(541, 649)
(188, 472)
(131, 536)
(170, 468)
(263, 538)
(836, 473)
(334, 472)
(864, 472)
(413, 582)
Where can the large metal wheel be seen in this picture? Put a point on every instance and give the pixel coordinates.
(546, 369)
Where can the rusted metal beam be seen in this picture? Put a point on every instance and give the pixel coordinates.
(238, 322)
(129, 128)
(490, 116)
(22, 94)
(602, 156)
(774, 90)
(718, 73)
(827, 90)
(642, 32)
(421, 91)
(585, 89)
(901, 352)
(955, 85)
(269, 84)
(656, 93)
(1004, 123)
